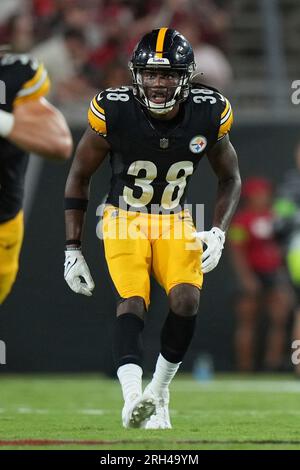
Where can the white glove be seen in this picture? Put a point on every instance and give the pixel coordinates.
(214, 239)
(77, 273)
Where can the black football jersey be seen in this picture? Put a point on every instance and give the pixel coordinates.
(153, 160)
(21, 79)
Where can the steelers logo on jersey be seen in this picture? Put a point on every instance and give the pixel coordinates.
(198, 144)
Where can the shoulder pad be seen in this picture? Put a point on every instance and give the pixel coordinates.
(226, 118)
(23, 62)
(29, 76)
(96, 114)
(220, 106)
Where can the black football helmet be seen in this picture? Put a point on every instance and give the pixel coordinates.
(163, 49)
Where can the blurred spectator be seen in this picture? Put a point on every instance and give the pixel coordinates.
(258, 265)
(116, 23)
(212, 67)
(214, 21)
(104, 34)
(46, 14)
(84, 15)
(210, 16)
(19, 33)
(287, 210)
(54, 16)
(67, 60)
(8, 9)
(116, 75)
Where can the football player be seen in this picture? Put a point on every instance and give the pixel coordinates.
(155, 132)
(28, 123)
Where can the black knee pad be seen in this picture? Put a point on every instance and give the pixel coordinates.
(176, 336)
(127, 347)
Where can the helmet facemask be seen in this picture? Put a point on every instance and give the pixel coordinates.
(173, 93)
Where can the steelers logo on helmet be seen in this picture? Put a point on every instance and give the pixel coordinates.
(161, 65)
(198, 144)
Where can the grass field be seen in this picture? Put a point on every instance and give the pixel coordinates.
(83, 412)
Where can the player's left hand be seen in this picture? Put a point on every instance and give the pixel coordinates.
(214, 239)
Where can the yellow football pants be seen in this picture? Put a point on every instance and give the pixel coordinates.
(137, 245)
(11, 238)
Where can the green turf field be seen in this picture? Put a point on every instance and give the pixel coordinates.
(229, 412)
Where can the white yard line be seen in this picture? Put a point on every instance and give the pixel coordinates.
(229, 386)
(42, 411)
(92, 412)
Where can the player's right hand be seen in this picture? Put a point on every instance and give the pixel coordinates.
(77, 273)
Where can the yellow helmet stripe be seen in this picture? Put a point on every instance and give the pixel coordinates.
(160, 42)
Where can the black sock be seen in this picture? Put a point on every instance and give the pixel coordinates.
(176, 336)
(127, 340)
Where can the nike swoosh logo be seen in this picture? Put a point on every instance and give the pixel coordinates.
(68, 267)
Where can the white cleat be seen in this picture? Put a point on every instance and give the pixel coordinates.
(161, 418)
(136, 412)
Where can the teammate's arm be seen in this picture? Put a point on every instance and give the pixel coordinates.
(90, 153)
(37, 126)
(223, 160)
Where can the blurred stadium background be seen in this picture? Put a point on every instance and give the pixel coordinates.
(249, 50)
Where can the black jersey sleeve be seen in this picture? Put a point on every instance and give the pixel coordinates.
(107, 108)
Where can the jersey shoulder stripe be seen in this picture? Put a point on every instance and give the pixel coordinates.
(99, 101)
(226, 109)
(226, 120)
(34, 88)
(97, 110)
(96, 115)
